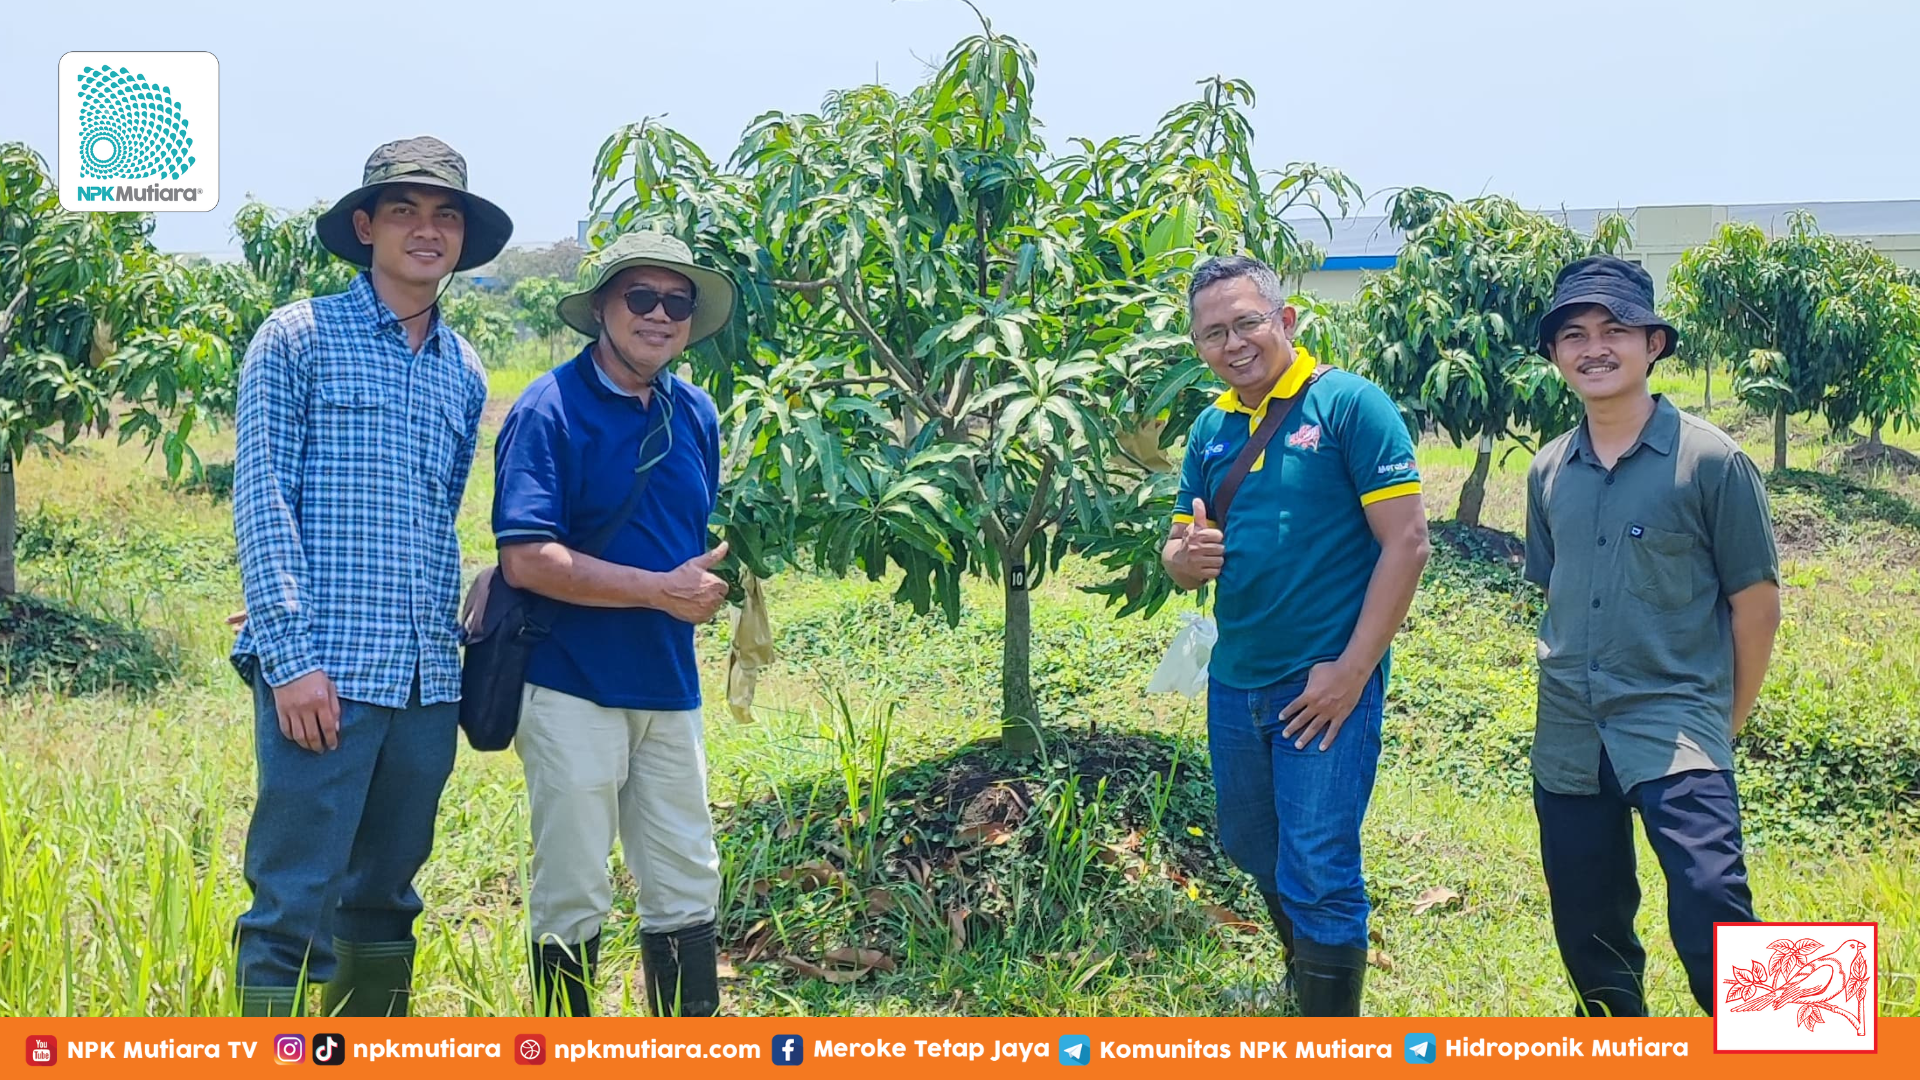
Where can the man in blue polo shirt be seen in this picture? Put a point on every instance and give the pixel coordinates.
(610, 731)
(1316, 569)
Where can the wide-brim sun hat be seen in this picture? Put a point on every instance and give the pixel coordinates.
(426, 162)
(713, 291)
(1623, 288)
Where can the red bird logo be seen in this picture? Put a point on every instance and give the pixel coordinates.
(1815, 984)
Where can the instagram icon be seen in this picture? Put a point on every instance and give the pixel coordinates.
(289, 1049)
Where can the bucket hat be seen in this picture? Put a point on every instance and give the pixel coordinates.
(428, 162)
(713, 290)
(1623, 288)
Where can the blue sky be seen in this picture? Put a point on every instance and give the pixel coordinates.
(1628, 104)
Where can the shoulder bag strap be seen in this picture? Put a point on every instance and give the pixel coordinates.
(1277, 414)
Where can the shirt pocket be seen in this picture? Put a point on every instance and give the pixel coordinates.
(1659, 566)
(349, 418)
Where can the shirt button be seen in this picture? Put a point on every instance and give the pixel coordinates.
(1596, 602)
(1593, 665)
(1603, 541)
(1609, 478)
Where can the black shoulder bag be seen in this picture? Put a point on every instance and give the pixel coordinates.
(514, 621)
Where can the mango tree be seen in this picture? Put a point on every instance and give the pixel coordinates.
(1450, 331)
(1810, 322)
(90, 314)
(943, 327)
(535, 304)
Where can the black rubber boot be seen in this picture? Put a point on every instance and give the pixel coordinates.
(1283, 927)
(1328, 980)
(273, 1001)
(563, 978)
(683, 971)
(371, 978)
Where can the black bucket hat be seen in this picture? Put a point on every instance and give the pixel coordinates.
(1623, 288)
(428, 162)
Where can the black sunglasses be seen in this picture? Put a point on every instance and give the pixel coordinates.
(643, 300)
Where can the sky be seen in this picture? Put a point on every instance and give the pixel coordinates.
(1627, 104)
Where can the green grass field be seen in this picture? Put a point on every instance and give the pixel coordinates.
(127, 778)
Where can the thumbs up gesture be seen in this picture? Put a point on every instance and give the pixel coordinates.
(692, 592)
(1198, 556)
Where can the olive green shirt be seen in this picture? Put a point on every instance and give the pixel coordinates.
(1636, 647)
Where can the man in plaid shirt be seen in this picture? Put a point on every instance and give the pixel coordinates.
(358, 418)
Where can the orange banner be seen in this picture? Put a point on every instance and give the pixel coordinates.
(206, 1049)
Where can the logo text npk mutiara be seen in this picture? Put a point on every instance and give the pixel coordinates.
(130, 193)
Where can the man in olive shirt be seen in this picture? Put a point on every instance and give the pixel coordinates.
(1649, 530)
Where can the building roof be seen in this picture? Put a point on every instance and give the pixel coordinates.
(1369, 243)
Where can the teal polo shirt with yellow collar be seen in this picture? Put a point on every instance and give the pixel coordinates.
(1299, 552)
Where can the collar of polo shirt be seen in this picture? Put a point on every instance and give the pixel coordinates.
(1660, 433)
(1290, 382)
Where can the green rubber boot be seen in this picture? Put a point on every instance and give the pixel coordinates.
(372, 978)
(273, 1001)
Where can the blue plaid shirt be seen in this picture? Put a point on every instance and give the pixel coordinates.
(353, 456)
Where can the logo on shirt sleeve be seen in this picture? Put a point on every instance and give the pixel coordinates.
(1395, 467)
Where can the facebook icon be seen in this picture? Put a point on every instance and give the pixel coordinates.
(789, 1050)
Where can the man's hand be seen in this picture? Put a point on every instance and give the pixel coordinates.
(1197, 556)
(690, 592)
(309, 711)
(1332, 692)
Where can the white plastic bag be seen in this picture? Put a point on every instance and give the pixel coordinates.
(1184, 669)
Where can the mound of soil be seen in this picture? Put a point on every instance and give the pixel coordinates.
(1109, 842)
(45, 645)
(1477, 543)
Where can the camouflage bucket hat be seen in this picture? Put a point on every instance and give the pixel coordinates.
(713, 290)
(428, 162)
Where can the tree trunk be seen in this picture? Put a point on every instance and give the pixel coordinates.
(8, 526)
(1780, 436)
(1708, 407)
(1873, 436)
(1019, 719)
(1474, 493)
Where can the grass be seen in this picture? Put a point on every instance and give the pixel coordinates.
(124, 795)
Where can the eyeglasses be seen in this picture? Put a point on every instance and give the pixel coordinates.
(1245, 326)
(641, 301)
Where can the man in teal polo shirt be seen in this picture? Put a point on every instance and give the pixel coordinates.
(1315, 573)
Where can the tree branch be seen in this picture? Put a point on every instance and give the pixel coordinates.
(811, 288)
(877, 380)
(903, 375)
(1038, 507)
(7, 316)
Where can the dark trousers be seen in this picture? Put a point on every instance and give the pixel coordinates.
(1586, 847)
(336, 838)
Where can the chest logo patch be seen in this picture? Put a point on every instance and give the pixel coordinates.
(1307, 438)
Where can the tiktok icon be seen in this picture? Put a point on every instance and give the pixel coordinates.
(329, 1049)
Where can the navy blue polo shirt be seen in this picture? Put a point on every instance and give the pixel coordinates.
(564, 465)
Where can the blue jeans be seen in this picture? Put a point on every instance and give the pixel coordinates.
(336, 838)
(1291, 818)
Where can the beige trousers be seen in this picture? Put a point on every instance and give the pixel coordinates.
(594, 772)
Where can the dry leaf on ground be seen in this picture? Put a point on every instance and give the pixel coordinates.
(814, 971)
(1437, 896)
